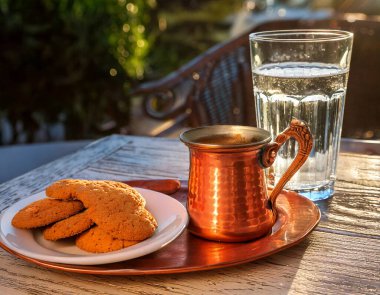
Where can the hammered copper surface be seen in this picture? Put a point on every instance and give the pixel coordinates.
(297, 217)
(228, 198)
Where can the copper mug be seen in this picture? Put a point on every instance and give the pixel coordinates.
(227, 198)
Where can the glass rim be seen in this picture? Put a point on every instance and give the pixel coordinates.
(319, 35)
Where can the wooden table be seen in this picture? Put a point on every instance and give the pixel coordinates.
(342, 255)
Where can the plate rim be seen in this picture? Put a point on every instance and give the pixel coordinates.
(95, 258)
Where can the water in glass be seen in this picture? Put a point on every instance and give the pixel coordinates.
(315, 93)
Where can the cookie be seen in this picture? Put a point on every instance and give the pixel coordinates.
(68, 227)
(97, 241)
(44, 212)
(136, 226)
(115, 207)
(95, 192)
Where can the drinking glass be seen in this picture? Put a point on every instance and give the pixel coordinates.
(303, 74)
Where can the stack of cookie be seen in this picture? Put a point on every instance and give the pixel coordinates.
(103, 215)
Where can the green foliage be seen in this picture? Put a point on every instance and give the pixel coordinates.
(74, 61)
(71, 61)
(187, 29)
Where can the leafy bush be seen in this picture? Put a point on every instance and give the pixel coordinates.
(186, 30)
(72, 62)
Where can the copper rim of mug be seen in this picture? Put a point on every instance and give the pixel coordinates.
(255, 137)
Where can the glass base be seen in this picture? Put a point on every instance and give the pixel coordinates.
(318, 193)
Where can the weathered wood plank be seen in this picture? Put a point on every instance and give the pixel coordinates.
(144, 158)
(355, 207)
(356, 213)
(303, 269)
(362, 170)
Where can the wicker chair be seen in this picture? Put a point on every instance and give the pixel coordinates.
(216, 87)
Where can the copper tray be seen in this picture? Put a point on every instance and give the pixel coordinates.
(296, 219)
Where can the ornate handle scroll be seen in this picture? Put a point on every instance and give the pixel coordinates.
(300, 132)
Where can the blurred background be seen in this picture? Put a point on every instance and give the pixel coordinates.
(67, 67)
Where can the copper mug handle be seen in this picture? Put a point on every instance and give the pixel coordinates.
(301, 133)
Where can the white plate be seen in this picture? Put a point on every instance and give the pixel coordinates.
(170, 214)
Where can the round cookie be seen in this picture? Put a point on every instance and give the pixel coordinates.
(97, 241)
(68, 227)
(95, 192)
(136, 226)
(44, 212)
